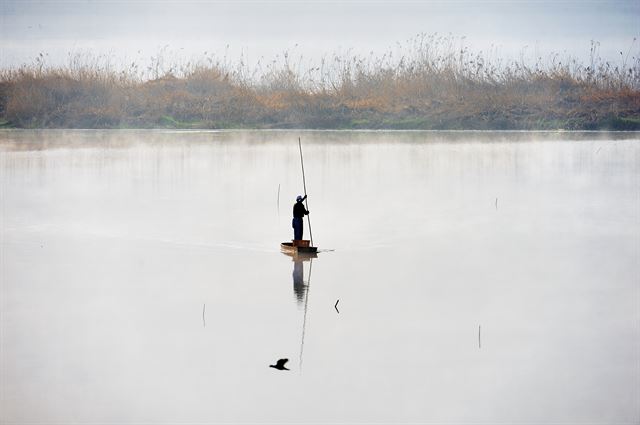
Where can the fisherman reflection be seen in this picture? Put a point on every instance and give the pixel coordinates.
(299, 288)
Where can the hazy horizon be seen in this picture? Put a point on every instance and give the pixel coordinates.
(251, 30)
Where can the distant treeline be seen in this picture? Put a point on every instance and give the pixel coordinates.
(431, 84)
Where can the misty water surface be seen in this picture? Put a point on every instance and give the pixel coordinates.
(142, 279)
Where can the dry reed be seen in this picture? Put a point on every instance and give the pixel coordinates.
(431, 82)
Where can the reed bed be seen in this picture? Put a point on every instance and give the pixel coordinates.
(429, 82)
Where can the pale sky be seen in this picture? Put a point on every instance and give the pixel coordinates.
(135, 30)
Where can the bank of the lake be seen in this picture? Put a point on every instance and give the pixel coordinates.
(71, 104)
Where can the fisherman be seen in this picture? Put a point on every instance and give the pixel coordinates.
(299, 211)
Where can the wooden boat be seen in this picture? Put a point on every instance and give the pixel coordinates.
(296, 248)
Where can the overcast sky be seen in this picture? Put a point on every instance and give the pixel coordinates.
(137, 29)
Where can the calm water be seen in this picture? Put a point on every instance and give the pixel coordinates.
(481, 277)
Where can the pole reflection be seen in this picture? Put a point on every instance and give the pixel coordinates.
(301, 290)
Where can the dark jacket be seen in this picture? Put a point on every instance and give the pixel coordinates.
(299, 211)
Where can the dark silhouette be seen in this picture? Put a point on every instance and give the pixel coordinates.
(299, 211)
(280, 364)
(300, 285)
(299, 288)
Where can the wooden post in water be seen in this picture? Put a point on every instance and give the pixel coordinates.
(278, 202)
(304, 184)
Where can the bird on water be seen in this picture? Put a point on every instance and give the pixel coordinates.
(280, 364)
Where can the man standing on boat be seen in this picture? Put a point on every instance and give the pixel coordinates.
(299, 211)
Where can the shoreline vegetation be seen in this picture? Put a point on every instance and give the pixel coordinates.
(432, 83)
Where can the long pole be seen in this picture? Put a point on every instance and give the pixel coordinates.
(304, 183)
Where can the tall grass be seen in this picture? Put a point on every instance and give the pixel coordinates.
(431, 82)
